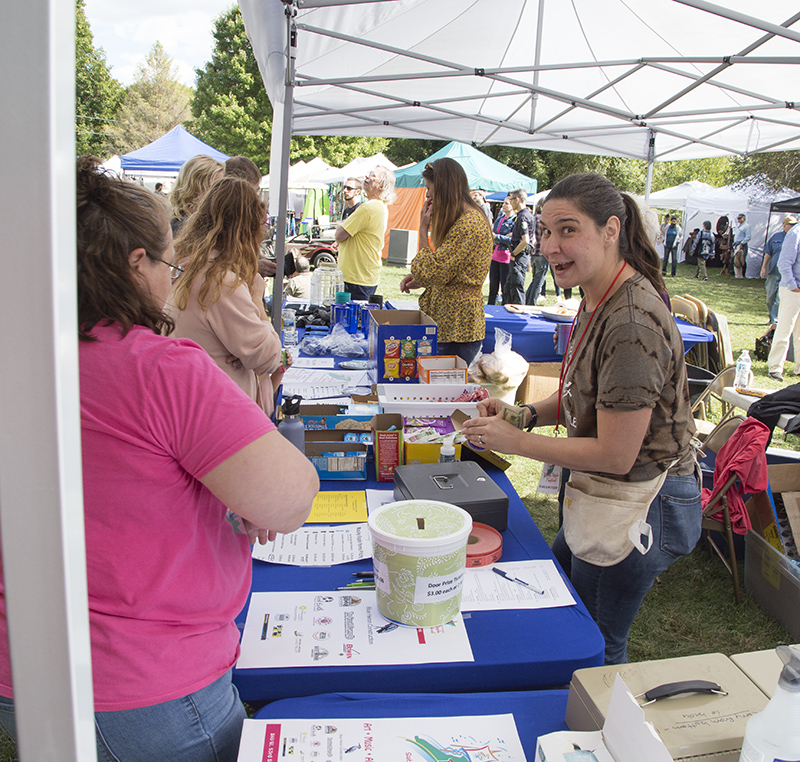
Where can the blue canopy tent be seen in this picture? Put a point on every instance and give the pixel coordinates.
(169, 153)
(483, 172)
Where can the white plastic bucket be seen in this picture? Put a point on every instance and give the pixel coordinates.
(419, 553)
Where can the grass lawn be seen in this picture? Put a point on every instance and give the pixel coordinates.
(691, 611)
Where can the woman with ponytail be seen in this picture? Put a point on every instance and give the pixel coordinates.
(632, 503)
(175, 458)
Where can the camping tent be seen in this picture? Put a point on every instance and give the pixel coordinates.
(483, 172)
(169, 153)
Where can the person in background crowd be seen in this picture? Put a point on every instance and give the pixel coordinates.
(245, 169)
(299, 285)
(360, 236)
(351, 190)
(218, 300)
(538, 263)
(722, 245)
(789, 306)
(498, 270)
(769, 267)
(160, 189)
(453, 265)
(672, 238)
(688, 244)
(741, 239)
(194, 178)
(703, 249)
(480, 200)
(168, 443)
(623, 371)
(522, 240)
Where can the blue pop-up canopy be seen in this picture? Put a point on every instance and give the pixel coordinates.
(483, 172)
(169, 153)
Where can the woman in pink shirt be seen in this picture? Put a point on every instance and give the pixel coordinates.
(217, 302)
(175, 458)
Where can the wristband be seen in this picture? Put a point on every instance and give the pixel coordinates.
(534, 417)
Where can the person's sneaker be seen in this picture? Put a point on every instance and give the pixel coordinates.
(775, 376)
(705, 278)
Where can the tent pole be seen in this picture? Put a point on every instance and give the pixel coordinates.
(283, 188)
(651, 152)
(536, 61)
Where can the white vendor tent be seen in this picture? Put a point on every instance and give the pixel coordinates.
(359, 167)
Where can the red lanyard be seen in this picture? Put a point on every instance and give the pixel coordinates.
(565, 366)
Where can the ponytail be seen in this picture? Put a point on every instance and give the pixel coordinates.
(636, 247)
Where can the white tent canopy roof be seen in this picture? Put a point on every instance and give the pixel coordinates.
(588, 76)
(359, 167)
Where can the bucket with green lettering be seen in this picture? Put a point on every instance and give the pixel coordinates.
(419, 553)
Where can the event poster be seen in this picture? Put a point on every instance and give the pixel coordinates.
(490, 738)
(303, 629)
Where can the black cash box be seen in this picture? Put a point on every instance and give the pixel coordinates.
(462, 483)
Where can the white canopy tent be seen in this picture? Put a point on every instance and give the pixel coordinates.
(359, 167)
(643, 79)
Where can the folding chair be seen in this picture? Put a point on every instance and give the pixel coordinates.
(685, 309)
(713, 391)
(754, 460)
(702, 321)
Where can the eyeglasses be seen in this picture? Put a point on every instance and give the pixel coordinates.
(351, 187)
(176, 269)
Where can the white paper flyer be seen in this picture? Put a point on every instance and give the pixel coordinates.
(317, 545)
(490, 738)
(303, 629)
(484, 590)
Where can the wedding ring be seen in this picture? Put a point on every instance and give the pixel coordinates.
(480, 439)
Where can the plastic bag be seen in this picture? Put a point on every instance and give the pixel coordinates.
(337, 342)
(500, 372)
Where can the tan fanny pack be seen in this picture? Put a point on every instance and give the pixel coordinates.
(605, 519)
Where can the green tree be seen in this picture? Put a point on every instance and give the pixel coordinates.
(777, 168)
(97, 94)
(233, 113)
(154, 104)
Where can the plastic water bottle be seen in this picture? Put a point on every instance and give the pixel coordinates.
(742, 380)
(326, 281)
(289, 324)
(292, 426)
(774, 734)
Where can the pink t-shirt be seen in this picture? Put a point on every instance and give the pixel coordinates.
(166, 573)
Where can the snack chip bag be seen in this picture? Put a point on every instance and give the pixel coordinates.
(391, 367)
(408, 368)
(408, 349)
(424, 347)
(391, 348)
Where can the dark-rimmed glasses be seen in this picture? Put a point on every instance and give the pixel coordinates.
(175, 270)
(351, 187)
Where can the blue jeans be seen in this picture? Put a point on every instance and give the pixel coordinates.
(466, 350)
(204, 726)
(614, 594)
(539, 274)
(772, 282)
(498, 274)
(671, 251)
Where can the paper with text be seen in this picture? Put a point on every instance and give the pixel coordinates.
(484, 590)
(317, 546)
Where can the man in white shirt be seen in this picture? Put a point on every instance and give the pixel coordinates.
(740, 245)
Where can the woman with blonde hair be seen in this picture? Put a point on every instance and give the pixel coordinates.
(194, 179)
(217, 300)
(453, 265)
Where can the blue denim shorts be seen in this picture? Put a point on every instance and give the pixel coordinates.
(204, 726)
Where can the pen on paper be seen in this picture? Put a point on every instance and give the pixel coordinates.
(519, 581)
(363, 575)
(265, 627)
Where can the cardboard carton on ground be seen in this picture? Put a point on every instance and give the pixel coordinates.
(626, 736)
(540, 383)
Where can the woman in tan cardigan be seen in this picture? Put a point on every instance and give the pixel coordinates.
(217, 300)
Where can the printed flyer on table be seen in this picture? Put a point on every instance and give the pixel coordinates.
(304, 629)
(412, 739)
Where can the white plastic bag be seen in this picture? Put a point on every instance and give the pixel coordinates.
(502, 371)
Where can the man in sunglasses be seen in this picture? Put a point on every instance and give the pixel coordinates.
(352, 193)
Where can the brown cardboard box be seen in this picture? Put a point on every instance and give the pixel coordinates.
(540, 383)
(691, 725)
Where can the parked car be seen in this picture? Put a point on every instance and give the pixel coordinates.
(316, 250)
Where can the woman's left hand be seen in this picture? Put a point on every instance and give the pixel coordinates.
(491, 432)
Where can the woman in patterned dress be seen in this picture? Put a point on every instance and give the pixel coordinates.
(454, 263)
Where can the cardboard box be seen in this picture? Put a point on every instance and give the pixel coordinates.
(425, 452)
(337, 435)
(442, 369)
(773, 580)
(352, 464)
(336, 417)
(387, 437)
(540, 383)
(691, 725)
(626, 736)
(397, 338)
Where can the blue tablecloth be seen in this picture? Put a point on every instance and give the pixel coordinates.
(514, 649)
(535, 713)
(532, 336)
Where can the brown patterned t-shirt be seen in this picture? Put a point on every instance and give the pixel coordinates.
(631, 358)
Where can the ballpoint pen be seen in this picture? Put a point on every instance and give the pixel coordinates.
(512, 578)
